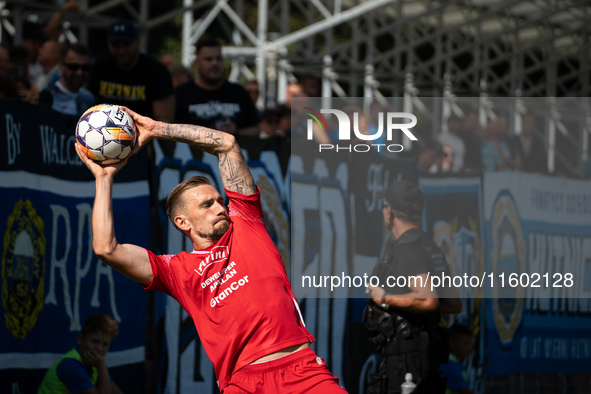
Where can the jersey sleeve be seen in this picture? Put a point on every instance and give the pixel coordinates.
(454, 374)
(72, 373)
(248, 208)
(162, 274)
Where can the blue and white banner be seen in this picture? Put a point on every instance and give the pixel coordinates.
(539, 228)
(51, 279)
(453, 217)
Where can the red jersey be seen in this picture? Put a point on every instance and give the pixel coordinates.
(236, 291)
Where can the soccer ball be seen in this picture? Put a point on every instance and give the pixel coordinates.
(106, 133)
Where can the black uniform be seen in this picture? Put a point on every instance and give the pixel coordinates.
(408, 342)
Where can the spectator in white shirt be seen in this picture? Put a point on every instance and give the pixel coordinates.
(68, 96)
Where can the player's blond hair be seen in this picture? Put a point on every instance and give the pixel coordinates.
(174, 200)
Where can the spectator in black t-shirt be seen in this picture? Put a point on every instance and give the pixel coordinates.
(131, 78)
(210, 100)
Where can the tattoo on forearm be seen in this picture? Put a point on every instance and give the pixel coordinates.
(203, 138)
(235, 174)
(233, 168)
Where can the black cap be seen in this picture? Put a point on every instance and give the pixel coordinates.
(404, 196)
(122, 30)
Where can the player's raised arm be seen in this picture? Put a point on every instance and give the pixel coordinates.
(131, 260)
(234, 170)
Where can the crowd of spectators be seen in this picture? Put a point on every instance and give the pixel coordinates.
(466, 146)
(64, 77)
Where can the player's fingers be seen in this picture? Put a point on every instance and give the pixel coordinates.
(81, 154)
(130, 112)
(85, 159)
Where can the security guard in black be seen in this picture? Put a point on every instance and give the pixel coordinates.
(403, 312)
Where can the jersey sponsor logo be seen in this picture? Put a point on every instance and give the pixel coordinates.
(216, 255)
(218, 278)
(23, 269)
(508, 255)
(123, 92)
(223, 294)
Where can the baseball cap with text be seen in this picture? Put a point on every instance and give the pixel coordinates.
(122, 30)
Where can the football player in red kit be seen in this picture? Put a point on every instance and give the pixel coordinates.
(233, 284)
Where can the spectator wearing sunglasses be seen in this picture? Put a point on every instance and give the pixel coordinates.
(68, 96)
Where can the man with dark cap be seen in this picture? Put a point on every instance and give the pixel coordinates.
(403, 316)
(131, 78)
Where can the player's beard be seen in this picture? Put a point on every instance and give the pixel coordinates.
(217, 233)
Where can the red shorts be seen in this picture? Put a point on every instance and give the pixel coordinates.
(300, 372)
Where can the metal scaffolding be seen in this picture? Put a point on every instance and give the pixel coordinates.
(537, 46)
(528, 48)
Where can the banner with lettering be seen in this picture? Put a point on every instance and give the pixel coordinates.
(539, 229)
(453, 217)
(51, 278)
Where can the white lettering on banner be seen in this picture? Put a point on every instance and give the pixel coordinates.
(72, 307)
(561, 202)
(58, 152)
(13, 136)
(84, 215)
(223, 294)
(325, 317)
(536, 348)
(557, 254)
(103, 269)
(60, 212)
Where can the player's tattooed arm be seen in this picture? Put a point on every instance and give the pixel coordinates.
(234, 170)
(235, 173)
(203, 138)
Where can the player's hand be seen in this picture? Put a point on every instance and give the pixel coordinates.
(97, 169)
(92, 358)
(145, 128)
